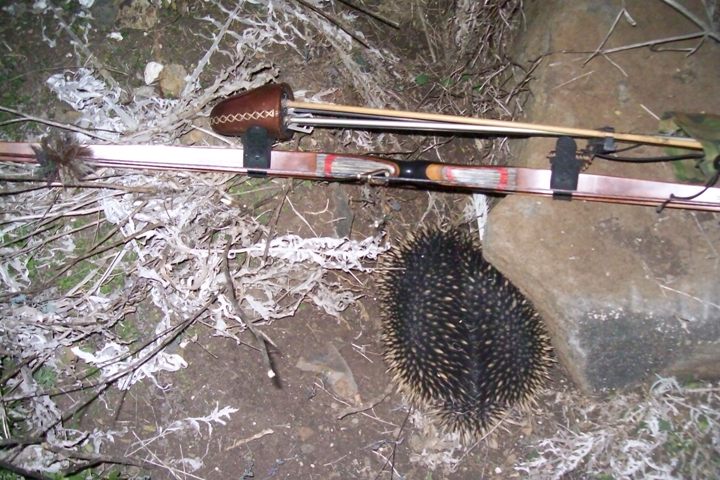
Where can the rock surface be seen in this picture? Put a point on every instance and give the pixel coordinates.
(627, 293)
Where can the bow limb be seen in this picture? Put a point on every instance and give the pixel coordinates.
(379, 171)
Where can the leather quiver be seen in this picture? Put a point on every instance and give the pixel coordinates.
(262, 107)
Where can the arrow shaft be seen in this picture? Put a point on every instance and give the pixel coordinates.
(412, 125)
(500, 125)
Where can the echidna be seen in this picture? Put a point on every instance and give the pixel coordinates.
(459, 338)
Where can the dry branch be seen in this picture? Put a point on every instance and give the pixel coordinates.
(261, 339)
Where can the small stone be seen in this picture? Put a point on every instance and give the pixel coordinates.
(336, 371)
(172, 80)
(192, 137)
(152, 72)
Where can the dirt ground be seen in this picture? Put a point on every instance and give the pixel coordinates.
(329, 413)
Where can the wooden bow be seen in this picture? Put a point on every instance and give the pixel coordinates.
(380, 171)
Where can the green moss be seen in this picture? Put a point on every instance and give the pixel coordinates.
(127, 331)
(70, 6)
(533, 455)
(422, 79)
(46, 377)
(116, 281)
(604, 476)
(8, 475)
(32, 268)
(248, 186)
(75, 275)
(13, 237)
(91, 372)
(264, 217)
(8, 363)
(78, 222)
(113, 284)
(665, 426)
(676, 444)
(703, 423)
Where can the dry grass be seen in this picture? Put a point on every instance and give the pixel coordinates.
(671, 431)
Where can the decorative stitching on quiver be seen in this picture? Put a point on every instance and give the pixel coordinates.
(243, 117)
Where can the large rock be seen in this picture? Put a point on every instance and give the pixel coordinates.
(627, 293)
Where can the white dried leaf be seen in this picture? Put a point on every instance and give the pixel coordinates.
(333, 301)
(14, 274)
(629, 434)
(38, 459)
(219, 416)
(90, 96)
(265, 312)
(150, 274)
(107, 359)
(189, 464)
(100, 437)
(481, 210)
(331, 253)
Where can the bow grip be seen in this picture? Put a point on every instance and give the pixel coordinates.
(261, 107)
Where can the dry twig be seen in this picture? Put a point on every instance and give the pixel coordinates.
(244, 441)
(371, 14)
(366, 405)
(706, 32)
(334, 21)
(65, 126)
(261, 339)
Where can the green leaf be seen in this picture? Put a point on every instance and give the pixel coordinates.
(8, 475)
(703, 127)
(422, 79)
(604, 476)
(703, 423)
(664, 425)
